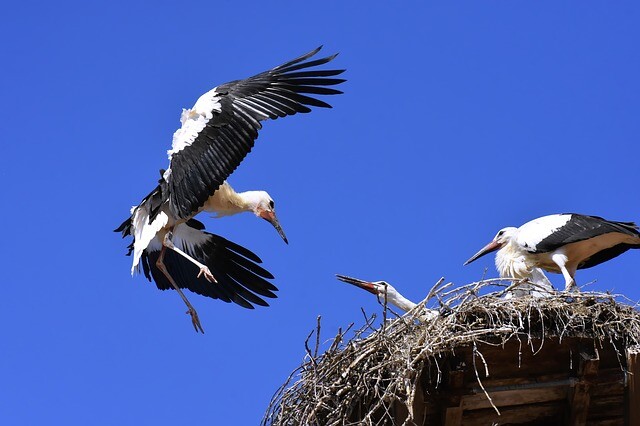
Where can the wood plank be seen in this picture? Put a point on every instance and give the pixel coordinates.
(606, 407)
(550, 413)
(614, 421)
(453, 410)
(580, 396)
(633, 388)
(453, 416)
(515, 397)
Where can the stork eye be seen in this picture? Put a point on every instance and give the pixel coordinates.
(272, 204)
(500, 233)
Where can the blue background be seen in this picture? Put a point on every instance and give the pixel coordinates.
(457, 119)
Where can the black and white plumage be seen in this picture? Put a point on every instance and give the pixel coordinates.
(215, 136)
(220, 129)
(239, 277)
(560, 243)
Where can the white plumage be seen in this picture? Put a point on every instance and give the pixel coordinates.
(386, 292)
(560, 243)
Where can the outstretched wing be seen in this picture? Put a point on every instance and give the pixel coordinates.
(220, 130)
(240, 279)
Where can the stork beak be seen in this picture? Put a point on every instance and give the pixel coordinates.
(270, 216)
(365, 285)
(492, 246)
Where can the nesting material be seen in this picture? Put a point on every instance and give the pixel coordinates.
(405, 371)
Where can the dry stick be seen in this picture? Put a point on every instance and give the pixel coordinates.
(315, 352)
(475, 369)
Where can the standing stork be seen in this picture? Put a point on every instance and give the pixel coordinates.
(215, 136)
(386, 292)
(560, 243)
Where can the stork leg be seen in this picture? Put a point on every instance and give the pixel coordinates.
(204, 269)
(194, 315)
(561, 260)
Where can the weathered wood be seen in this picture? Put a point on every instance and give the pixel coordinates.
(633, 388)
(563, 383)
(613, 421)
(520, 360)
(546, 413)
(515, 397)
(453, 410)
(579, 397)
(453, 416)
(417, 402)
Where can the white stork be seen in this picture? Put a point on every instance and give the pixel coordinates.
(215, 136)
(385, 291)
(560, 243)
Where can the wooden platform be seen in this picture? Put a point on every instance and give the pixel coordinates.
(575, 382)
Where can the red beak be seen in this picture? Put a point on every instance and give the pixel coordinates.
(365, 285)
(492, 246)
(270, 216)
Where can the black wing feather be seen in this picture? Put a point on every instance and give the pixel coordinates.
(240, 279)
(580, 228)
(229, 136)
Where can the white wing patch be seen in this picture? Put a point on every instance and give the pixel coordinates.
(531, 233)
(144, 232)
(194, 120)
(188, 238)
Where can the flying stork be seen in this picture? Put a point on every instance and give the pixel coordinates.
(560, 243)
(215, 136)
(385, 291)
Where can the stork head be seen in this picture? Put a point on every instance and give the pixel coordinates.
(378, 288)
(500, 240)
(262, 205)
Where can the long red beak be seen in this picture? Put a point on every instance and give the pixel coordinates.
(492, 246)
(365, 285)
(270, 216)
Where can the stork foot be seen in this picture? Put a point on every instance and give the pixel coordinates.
(207, 274)
(195, 320)
(571, 287)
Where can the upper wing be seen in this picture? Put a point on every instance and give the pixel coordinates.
(576, 228)
(220, 130)
(240, 279)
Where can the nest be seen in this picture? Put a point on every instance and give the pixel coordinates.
(358, 378)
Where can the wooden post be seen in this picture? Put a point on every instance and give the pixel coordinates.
(633, 388)
(453, 409)
(580, 397)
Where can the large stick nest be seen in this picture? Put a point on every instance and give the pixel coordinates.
(377, 368)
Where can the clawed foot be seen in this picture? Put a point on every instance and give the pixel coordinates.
(195, 320)
(207, 274)
(571, 287)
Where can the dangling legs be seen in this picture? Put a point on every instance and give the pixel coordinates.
(204, 270)
(194, 315)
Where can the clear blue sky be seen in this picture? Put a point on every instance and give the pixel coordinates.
(457, 119)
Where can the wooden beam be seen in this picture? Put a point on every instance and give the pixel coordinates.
(453, 410)
(633, 388)
(549, 412)
(579, 398)
(522, 396)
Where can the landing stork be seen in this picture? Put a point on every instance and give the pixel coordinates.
(386, 292)
(560, 243)
(215, 136)
(239, 277)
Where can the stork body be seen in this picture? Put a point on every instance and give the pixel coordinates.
(386, 293)
(215, 136)
(560, 243)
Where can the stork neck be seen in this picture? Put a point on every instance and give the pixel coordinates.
(399, 300)
(225, 201)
